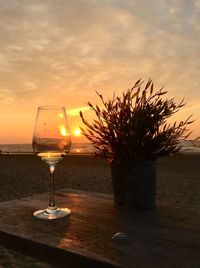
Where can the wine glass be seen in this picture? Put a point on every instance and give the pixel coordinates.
(51, 141)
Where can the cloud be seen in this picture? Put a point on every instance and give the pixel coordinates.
(76, 111)
(59, 50)
(6, 97)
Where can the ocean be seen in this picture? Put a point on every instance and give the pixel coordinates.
(188, 147)
(76, 148)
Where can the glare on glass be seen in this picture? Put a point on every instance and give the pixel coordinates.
(51, 141)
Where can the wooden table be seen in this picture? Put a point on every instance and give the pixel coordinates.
(162, 237)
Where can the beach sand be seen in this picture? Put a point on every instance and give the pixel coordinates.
(178, 184)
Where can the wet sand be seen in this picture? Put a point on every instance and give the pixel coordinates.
(178, 184)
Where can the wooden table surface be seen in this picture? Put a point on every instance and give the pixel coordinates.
(162, 237)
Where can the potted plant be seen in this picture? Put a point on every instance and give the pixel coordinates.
(131, 131)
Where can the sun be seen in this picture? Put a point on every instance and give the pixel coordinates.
(77, 132)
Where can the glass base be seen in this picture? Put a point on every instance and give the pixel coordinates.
(51, 214)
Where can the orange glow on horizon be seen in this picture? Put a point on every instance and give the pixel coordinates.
(77, 132)
(63, 131)
(60, 115)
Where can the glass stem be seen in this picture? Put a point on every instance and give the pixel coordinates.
(52, 199)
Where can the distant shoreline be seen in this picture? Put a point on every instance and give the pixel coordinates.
(189, 147)
(32, 153)
(192, 153)
(76, 148)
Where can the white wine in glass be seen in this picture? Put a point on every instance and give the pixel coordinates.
(51, 141)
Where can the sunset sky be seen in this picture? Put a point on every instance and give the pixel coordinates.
(60, 52)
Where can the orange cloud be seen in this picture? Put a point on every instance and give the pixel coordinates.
(75, 111)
